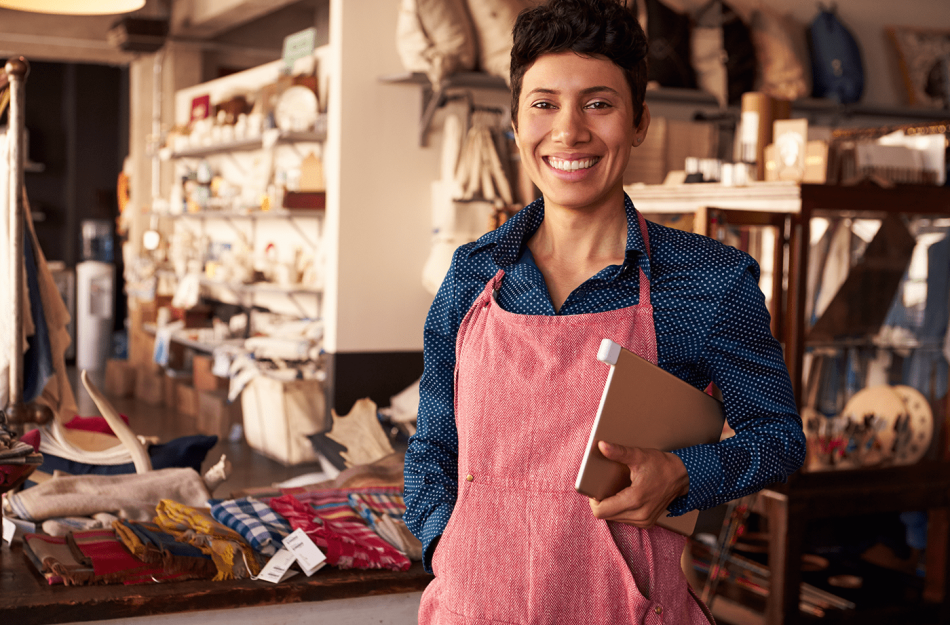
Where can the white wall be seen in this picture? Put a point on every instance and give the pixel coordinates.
(383, 193)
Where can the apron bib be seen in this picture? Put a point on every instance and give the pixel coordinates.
(522, 546)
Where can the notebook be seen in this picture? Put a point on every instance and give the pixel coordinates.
(645, 406)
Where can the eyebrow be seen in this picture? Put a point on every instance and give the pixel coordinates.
(587, 91)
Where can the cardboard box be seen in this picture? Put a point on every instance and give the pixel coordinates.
(142, 349)
(204, 379)
(279, 416)
(187, 399)
(216, 416)
(172, 379)
(120, 378)
(148, 385)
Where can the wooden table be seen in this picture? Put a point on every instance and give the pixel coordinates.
(26, 598)
(815, 495)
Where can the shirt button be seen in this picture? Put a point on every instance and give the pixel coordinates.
(658, 610)
(469, 477)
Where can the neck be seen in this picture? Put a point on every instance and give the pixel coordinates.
(571, 246)
(599, 234)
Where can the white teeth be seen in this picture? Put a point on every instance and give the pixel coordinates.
(564, 165)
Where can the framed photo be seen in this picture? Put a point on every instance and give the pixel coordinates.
(924, 57)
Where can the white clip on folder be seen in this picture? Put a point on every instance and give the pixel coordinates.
(645, 406)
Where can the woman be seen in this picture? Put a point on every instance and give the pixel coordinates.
(511, 382)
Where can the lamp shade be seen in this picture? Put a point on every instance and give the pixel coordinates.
(74, 7)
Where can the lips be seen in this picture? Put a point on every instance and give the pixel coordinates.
(570, 165)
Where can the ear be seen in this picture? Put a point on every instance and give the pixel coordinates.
(514, 131)
(640, 132)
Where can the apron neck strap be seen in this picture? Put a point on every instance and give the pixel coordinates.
(644, 281)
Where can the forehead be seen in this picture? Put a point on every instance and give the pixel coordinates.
(569, 72)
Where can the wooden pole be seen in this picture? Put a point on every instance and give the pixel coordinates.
(17, 70)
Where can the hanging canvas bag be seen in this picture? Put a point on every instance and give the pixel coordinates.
(838, 72)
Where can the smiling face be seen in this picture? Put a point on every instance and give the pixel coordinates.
(575, 129)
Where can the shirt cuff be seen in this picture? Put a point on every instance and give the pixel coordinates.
(432, 531)
(705, 475)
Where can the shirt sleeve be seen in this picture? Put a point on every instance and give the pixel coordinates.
(745, 361)
(431, 466)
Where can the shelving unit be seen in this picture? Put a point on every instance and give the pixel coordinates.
(247, 145)
(817, 495)
(433, 99)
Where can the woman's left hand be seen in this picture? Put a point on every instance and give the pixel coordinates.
(656, 479)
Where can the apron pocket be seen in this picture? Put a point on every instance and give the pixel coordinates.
(481, 559)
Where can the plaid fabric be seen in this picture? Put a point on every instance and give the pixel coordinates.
(379, 503)
(232, 555)
(254, 520)
(342, 535)
(333, 507)
(55, 561)
(111, 562)
(150, 544)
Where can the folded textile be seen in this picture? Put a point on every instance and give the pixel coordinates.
(233, 557)
(345, 539)
(111, 562)
(18, 449)
(132, 496)
(379, 500)
(55, 561)
(253, 520)
(389, 526)
(149, 543)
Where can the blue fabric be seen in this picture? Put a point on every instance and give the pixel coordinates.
(927, 369)
(711, 325)
(185, 451)
(38, 359)
(260, 526)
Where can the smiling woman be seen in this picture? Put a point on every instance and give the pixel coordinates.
(512, 382)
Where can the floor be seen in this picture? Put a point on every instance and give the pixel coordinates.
(249, 468)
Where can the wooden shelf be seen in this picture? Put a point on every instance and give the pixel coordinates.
(283, 213)
(245, 145)
(433, 99)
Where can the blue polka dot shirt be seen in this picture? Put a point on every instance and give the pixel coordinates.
(711, 323)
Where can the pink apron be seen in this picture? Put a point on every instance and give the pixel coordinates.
(522, 546)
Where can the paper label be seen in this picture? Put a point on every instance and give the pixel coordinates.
(277, 568)
(308, 555)
(9, 530)
(750, 127)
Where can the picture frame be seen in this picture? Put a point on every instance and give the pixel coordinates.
(924, 59)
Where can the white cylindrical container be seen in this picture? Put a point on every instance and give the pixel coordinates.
(95, 291)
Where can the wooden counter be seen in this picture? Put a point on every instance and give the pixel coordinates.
(27, 598)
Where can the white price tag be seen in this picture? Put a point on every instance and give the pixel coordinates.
(13, 526)
(308, 555)
(277, 568)
(9, 530)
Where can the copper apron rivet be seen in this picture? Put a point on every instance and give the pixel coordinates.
(469, 477)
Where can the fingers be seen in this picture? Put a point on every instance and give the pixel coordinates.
(618, 453)
(622, 507)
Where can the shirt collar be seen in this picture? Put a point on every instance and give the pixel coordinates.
(510, 238)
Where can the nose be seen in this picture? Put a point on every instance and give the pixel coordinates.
(570, 126)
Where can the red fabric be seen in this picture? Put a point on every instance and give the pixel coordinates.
(93, 424)
(522, 545)
(88, 424)
(112, 562)
(345, 545)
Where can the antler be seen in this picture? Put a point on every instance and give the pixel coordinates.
(139, 454)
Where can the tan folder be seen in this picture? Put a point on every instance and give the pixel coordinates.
(645, 406)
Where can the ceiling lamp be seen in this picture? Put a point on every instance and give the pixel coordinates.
(74, 7)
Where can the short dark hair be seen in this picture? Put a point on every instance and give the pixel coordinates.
(602, 28)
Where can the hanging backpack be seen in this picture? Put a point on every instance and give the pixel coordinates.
(837, 71)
